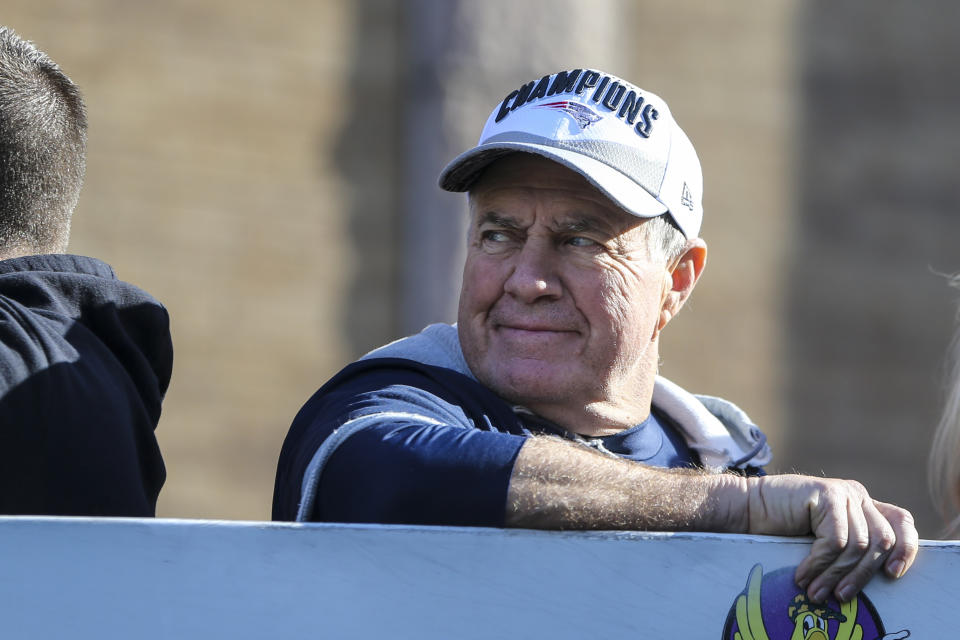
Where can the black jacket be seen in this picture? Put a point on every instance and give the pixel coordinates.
(85, 360)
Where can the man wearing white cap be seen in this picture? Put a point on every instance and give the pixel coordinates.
(542, 406)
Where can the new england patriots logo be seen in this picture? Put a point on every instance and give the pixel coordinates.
(583, 115)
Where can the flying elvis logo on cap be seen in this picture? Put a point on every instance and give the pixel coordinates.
(583, 115)
(622, 139)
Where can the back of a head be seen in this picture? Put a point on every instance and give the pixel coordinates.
(43, 132)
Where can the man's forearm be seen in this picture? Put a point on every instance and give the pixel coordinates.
(557, 484)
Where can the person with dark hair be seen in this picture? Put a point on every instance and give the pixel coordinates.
(85, 358)
(542, 407)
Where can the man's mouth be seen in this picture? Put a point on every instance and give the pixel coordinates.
(533, 327)
(518, 327)
(527, 332)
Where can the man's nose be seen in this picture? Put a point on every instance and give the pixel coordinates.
(534, 275)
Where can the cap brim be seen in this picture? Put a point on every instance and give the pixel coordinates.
(464, 170)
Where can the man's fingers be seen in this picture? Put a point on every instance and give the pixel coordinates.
(843, 559)
(830, 523)
(904, 550)
(857, 564)
(835, 555)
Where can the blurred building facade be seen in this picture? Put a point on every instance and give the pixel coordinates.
(269, 173)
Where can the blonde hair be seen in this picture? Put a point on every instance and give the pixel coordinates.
(943, 471)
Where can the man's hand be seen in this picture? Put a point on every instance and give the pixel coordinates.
(854, 534)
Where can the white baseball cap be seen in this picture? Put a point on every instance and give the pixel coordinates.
(619, 137)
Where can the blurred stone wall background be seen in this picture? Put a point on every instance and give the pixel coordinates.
(268, 171)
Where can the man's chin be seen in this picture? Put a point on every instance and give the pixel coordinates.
(532, 388)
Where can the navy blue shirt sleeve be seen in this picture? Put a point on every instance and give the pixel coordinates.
(426, 445)
(419, 474)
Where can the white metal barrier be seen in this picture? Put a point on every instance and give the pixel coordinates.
(130, 578)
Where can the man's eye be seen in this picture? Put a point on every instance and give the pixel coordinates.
(494, 236)
(580, 241)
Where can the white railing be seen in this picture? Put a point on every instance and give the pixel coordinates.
(130, 578)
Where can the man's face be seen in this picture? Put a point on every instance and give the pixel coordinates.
(560, 300)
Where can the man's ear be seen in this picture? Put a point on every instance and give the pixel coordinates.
(681, 280)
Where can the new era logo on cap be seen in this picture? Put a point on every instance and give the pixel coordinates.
(619, 137)
(686, 198)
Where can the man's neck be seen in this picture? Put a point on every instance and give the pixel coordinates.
(597, 419)
(603, 417)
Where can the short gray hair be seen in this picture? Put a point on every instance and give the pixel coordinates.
(665, 241)
(43, 135)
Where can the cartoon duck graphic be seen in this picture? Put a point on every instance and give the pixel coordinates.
(811, 621)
